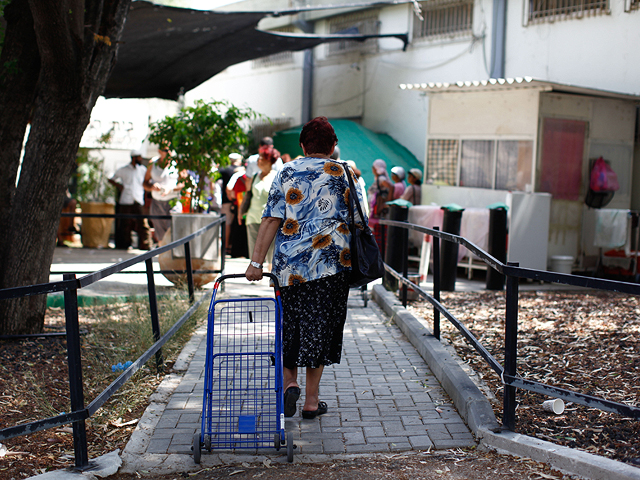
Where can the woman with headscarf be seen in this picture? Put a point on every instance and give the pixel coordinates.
(308, 214)
(380, 192)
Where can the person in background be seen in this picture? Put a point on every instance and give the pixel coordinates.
(397, 177)
(67, 228)
(380, 193)
(361, 183)
(259, 185)
(308, 215)
(252, 161)
(129, 181)
(413, 193)
(228, 206)
(236, 189)
(162, 180)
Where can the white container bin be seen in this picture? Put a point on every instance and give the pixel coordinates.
(561, 264)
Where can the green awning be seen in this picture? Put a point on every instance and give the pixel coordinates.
(356, 143)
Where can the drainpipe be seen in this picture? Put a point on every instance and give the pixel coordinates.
(498, 38)
(307, 74)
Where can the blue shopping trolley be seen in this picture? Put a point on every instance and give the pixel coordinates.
(243, 406)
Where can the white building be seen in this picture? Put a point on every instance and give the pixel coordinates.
(590, 44)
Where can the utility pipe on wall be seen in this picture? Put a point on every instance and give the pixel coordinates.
(498, 38)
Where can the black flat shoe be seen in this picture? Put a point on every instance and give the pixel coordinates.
(291, 396)
(311, 414)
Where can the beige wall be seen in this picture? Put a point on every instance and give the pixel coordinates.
(505, 112)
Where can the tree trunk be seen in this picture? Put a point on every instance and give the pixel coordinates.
(76, 44)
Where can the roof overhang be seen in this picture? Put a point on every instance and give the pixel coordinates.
(501, 84)
(165, 50)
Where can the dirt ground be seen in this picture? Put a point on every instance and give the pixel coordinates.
(586, 342)
(442, 465)
(581, 341)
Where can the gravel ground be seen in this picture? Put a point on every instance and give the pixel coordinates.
(579, 341)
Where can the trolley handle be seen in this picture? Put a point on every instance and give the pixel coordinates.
(274, 279)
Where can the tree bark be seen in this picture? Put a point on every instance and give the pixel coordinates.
(76, 49)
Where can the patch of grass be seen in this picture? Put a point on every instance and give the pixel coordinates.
(118, 333)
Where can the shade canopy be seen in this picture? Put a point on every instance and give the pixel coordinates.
(356, 143)
(165, 51)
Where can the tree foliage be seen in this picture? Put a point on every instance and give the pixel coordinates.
(55, 61)
(202, 137)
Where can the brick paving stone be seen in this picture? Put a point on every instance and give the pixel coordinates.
(381, 398)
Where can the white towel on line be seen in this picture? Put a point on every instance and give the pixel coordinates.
(611, 228)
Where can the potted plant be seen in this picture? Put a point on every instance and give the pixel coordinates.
(201, 138)
(95, 195)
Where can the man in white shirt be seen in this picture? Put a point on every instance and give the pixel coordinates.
(129, 180)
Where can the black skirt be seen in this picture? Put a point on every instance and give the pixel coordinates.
(314, 314)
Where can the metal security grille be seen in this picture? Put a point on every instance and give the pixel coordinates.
(363, 23)
(443, 18)
(266, 128)
(633, 5)
(550, 10)
(442, 161)
(282, 58)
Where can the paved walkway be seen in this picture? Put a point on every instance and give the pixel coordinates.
(382, 397)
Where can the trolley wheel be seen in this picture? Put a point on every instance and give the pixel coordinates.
(290, 447)
(276, 441)
(197, 448)
(207, 443)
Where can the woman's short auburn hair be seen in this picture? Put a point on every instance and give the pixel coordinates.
(318, 136)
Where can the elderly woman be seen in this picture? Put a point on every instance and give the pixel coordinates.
(308, 214)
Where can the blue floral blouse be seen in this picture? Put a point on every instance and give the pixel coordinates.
(310, 195)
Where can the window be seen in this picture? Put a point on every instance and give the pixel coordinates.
(631, 5)
(476, 163)
(282, 58)
(442, 161)
(444, 18)
(494, 164)
(514, 165)
(363, 23)
(540, 11)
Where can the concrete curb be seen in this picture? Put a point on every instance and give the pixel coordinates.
(567, 460)
(476, 410)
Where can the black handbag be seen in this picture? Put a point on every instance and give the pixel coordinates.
(366, 261)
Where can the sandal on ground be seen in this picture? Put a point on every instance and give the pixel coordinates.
(310, 414)
(291, 396)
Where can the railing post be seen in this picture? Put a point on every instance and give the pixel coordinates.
(436, 284)
(405, 263)
(187, 259)
(223, 253)
(510, 350)
(153, 309)
(76, 393)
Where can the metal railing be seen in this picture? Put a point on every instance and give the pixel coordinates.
(513, 273)
(70, 286)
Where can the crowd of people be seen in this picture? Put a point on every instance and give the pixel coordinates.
(240, 191)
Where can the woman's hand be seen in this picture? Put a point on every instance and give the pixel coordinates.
(253, 274)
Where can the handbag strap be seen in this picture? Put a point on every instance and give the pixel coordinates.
(353, 198)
